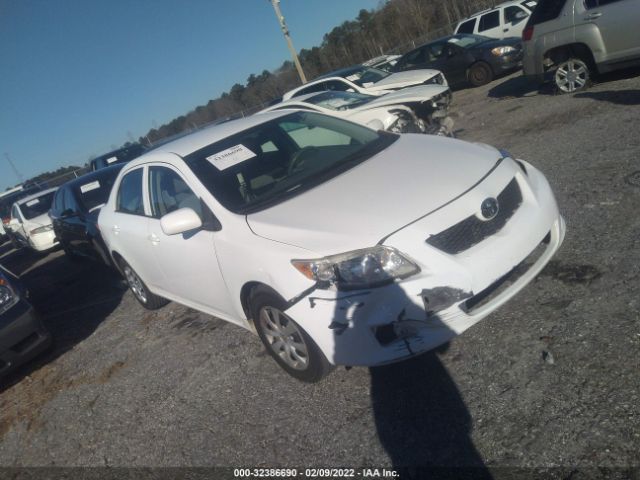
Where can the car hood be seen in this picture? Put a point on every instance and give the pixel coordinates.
(407, 95)
(412, 177)
(403, 79)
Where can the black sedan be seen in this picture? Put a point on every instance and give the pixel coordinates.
(465, 58)
(75, 210)
(22, 335)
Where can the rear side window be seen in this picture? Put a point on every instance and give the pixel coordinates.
(546, 10)
(467, 27)
(489, 20)
(129, 198)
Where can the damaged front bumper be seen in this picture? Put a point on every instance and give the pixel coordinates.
(452, 292)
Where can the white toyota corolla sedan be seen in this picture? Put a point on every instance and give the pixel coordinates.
(337, 244)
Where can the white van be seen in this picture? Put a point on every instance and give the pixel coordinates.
(505, 20)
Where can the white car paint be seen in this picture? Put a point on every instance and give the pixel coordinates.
(417, 187)
(512, 18)
(392, 82)
(24, 228)
(379, 113)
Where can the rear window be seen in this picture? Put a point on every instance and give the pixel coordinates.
(8, 200)
(467, 27)
(546, 10)
(37, 206)
(95, 192)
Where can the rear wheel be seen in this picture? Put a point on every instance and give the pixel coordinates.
(290, 346)
(480, 74)
(139, 289)
(571, 75)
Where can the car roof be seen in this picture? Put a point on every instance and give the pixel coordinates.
(96, 175)
(24, 200)
(501, 5)
(195, 141)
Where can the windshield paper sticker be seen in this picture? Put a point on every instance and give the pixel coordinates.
(112, 159)
(33, 202)
(230, 157)
(90, 186)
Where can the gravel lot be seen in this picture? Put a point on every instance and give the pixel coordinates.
(550, 380)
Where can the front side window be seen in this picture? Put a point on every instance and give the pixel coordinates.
(309, 149)
(169, 192)
(37, 206)
(129, 199)
(467, 27)
(514, 14)
(489, 20)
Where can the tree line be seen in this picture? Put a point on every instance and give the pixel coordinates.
(395, 26)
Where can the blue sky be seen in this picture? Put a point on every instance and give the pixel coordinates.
(79, 76)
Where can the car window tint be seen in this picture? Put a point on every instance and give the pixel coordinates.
(337, 86)
(129, 198)
(95, 192)
(436, 51)
(489, 20)
(169, 192)
(37, 206)
(313, 88)
(514, 14)
(14, 212)
(546, 10)
(467, 27)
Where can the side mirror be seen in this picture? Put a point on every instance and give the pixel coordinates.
(180, 221)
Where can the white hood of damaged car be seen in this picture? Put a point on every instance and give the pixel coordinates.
(403, 79)
(415, 175)
(407, 95)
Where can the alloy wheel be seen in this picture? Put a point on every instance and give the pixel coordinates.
(136, 285)
(572, 75)
(284, 338)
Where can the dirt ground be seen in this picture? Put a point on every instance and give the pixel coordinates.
(550, 380)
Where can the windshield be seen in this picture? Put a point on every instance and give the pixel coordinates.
(8, 200)
(279, 159)
(467, 40)
(336, 100)
(365, 76)
(37, 206)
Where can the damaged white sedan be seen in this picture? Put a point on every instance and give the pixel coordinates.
(337, 244)
(422, 109)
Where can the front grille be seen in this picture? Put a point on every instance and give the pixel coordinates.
(471, 231)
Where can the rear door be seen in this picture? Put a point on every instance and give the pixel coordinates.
(618, 22)
(188, 261)
(129, 226)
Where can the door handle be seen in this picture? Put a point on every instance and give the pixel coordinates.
(505, 30)
(153, 238)
(115, 229)
(593, 16)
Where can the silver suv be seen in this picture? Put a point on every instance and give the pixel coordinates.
(575, 39)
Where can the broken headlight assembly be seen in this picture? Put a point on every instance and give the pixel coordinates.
(8, 296)
(435, 80)
(405, 123)
(367, 268)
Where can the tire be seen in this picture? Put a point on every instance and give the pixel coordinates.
(291, 348)
(139, 289)
(571, 76)
(479, 74)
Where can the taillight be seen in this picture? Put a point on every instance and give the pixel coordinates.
(527, 33)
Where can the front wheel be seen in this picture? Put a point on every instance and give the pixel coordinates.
(139, 289)
(285, 340)
(571, 75)
(480, 74)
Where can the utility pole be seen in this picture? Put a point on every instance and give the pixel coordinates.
(285, 31)
(13, 167)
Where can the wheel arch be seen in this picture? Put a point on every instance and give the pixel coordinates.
(559, 54)
(247, 291)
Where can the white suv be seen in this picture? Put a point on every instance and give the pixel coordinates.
(506, 20)
(337, 244)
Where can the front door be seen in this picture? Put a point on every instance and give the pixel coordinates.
(188, 261)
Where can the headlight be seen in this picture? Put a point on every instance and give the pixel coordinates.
(8, 296)
(46, 228)
(367, 268)
(502, 50)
